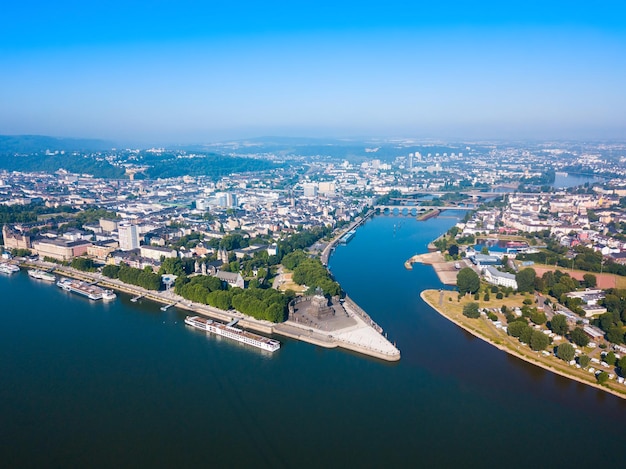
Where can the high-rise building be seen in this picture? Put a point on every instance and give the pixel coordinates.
(327, 188)
(128, 236)
(231, 199)
(310, 189)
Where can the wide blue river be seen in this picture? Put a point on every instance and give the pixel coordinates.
(86, 384)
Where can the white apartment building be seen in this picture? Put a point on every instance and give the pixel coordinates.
(128, 236)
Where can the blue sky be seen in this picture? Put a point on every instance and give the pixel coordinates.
(176, 72)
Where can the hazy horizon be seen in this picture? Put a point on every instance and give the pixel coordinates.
(184, 73)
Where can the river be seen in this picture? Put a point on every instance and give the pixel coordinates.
(563, 181)
(124, 384)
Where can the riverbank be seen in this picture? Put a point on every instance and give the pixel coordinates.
(445, 270)
(486, 330)
(364, 339)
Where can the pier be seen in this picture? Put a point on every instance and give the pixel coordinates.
(166, 307)
(137, 298)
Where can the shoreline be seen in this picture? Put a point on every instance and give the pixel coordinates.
(446, 270)
(285, 329)
(521, 356)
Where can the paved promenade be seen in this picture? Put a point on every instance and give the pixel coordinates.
(362, 338)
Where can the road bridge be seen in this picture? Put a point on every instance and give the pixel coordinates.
(418, 209)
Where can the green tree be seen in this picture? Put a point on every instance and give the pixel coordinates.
(538, 317)
(172, 265)
(602, 377)
(234, 241)
(467, 281)
(610, 358)
(590, 280)
(538, 340)
(525, 279)
(584, 361)
(455, 230)
(453, 250)
(526, 334)
(565, 352)
(111, 271)
(621, 364)
(82, 263)
(470, 310)
(293, 259)
(558, 324)
(615, 335)
(516, 328)
(579, 337)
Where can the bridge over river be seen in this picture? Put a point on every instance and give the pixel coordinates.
(419, 209)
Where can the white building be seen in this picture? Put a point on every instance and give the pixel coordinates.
(310, 189)
(128, 236)
(495, 277)
(202, 204)
(155, 252)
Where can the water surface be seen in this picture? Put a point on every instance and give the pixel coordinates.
(123, 384)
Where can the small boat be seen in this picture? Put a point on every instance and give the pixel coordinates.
(41, 275)
(7, 268)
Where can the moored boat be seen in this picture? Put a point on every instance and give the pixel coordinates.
(91, 291)
(234, 333)
(7, 268)
(41, 275)
(108, 295)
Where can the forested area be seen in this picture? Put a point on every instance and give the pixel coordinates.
(27, 213)
(51, 163)
(168, 165)
(302, 240)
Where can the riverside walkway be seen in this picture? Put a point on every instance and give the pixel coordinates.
(362, 337)
(329, 248)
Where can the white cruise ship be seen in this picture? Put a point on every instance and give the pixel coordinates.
(91, 291)
(234, 333)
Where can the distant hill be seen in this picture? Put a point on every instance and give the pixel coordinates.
(28, 144)
(354, 149)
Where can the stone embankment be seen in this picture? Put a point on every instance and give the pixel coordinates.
(363, 338)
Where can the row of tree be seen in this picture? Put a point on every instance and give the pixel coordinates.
(527, 334)
(145, 278)
(267, 304)
(83, 263)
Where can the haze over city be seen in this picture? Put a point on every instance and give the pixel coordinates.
(175, 72)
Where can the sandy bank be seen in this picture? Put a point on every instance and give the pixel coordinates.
(445, 270)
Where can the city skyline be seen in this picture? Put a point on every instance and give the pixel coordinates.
(194, 74)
